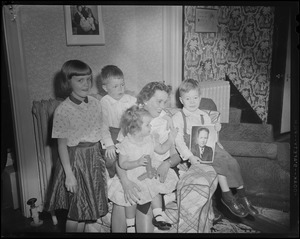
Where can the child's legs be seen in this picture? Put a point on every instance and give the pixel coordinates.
(130, 218)
(71, 226)
(157, 202)
(228, 170)
(80, 226)
(130, 211)
(144, 218)
(118, 222)
(157, 208)
(223, 183)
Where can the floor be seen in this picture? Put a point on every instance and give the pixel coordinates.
(13, 224)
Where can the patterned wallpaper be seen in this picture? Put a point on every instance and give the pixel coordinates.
(241, 48)
(133, 42)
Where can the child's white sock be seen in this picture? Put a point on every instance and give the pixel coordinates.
(156, 212)
(171, 197)
(130, 222)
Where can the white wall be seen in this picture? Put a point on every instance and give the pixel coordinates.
(37, 49)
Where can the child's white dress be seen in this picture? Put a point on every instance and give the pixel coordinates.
(149, 187)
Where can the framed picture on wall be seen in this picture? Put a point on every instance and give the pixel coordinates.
(206, 20)
(84, 25)
(203, 141)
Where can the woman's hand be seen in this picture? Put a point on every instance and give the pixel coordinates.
(162, 171)
(218, 127)
(194, 160)
(111, 152)
(131, 190)
(71, 183)
(142, 161)
(169, 121)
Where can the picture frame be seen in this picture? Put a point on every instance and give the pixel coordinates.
(84, 25)
(197, 141)
(206, 20)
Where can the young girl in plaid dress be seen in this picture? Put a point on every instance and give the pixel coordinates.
(79, 182)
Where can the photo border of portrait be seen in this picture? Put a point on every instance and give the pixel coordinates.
(73, 40)
(212, 139)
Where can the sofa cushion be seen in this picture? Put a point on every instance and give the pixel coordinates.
(247, 132)
(250, 149)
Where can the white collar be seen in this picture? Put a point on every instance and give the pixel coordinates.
(114, 101)
(196, 112)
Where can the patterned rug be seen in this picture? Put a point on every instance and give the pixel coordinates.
(225, 225)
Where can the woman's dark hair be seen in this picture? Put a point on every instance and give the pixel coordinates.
(149, 90)
(69, 69)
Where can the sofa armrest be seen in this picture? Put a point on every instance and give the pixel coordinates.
(250, 149)
(248, 132)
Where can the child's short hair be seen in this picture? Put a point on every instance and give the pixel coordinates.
(132, 120)
(110, 71)
(187, 85)
(68, 70)
(149, 90)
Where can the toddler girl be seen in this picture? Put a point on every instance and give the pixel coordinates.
(134, 150)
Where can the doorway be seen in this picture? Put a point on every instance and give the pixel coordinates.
(279, 97)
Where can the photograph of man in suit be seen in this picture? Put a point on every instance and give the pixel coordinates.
(200, 149)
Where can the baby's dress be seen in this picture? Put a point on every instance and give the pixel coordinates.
(149, 187)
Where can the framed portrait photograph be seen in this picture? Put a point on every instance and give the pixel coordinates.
(203, 142)
(84, 25)
(206, 20)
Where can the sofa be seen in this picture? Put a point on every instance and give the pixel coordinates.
(264, 164)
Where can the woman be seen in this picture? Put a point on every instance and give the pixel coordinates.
(153, 97)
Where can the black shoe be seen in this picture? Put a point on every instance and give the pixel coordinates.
(131, 226)
(236, 208)
(161, 225)
(217, 217)
(248, 206)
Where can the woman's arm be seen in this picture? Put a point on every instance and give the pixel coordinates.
(71, 182)
(127, 165)
(164, 147)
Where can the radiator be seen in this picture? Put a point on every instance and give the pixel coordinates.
(45, 146)
(219, 92)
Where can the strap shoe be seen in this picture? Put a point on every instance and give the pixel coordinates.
(235, 207)
(161, 225)
(247, 205)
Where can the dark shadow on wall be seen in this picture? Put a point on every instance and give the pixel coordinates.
(59, 92)
(98, 82)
